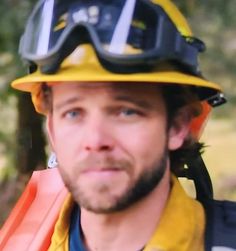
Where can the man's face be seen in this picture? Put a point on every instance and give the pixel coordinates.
(111, 141)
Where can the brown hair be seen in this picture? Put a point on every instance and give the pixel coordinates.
(179, 97)
(46, 98)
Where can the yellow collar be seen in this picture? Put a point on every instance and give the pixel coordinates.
(181, 227)
(60, 237)
(182, 224)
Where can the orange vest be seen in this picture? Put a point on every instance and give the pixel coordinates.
(31, 222)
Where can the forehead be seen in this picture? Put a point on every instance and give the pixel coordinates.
(110, 88)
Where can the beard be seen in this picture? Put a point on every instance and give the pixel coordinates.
(144, 184)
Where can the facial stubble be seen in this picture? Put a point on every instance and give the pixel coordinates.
(147, 181)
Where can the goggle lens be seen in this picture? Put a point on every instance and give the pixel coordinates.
(122, 32)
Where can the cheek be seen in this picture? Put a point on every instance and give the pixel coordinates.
(144, 144)
(66, 145)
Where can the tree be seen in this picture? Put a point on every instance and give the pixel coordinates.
(30, 142)
(214, 22)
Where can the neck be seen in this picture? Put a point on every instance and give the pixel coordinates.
(127, 230)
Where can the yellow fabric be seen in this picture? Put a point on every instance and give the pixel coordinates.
(181, 227)
(60, 238)
(182, 224)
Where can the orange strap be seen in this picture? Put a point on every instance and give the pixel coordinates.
(30, 224)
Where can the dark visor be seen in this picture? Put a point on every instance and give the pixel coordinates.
(123, 33)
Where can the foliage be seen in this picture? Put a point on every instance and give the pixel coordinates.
(13, 14)
(214, 22)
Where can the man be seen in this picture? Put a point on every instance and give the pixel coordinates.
(125, 102)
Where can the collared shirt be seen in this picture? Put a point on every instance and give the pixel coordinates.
(75, 233)
(181, 227)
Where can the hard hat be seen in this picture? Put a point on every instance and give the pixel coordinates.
(120, 41)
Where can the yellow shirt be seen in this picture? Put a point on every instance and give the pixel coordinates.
(181, 227)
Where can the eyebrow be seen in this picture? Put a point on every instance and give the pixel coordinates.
(133, 100)
(67, 102)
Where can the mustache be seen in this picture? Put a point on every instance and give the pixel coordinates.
(95, 162)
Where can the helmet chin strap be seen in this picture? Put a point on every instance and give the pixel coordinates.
(198, 172)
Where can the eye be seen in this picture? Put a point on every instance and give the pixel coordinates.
(72, 114)
(129, 112)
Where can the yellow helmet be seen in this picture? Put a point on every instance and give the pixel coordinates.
(88, 62)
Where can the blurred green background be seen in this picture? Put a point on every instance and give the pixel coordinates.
(22, 142)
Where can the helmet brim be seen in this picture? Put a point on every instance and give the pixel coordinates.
(98, 74)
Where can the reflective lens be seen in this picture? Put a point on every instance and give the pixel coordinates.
(121, 26)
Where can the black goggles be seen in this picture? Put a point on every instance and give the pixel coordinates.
(126, 34)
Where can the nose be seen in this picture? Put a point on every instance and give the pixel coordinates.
(98, 136)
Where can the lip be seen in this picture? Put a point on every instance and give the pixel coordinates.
(102, 169)
(102, 172)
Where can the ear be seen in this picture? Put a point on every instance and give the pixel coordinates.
(179, 129)
(50, 130)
